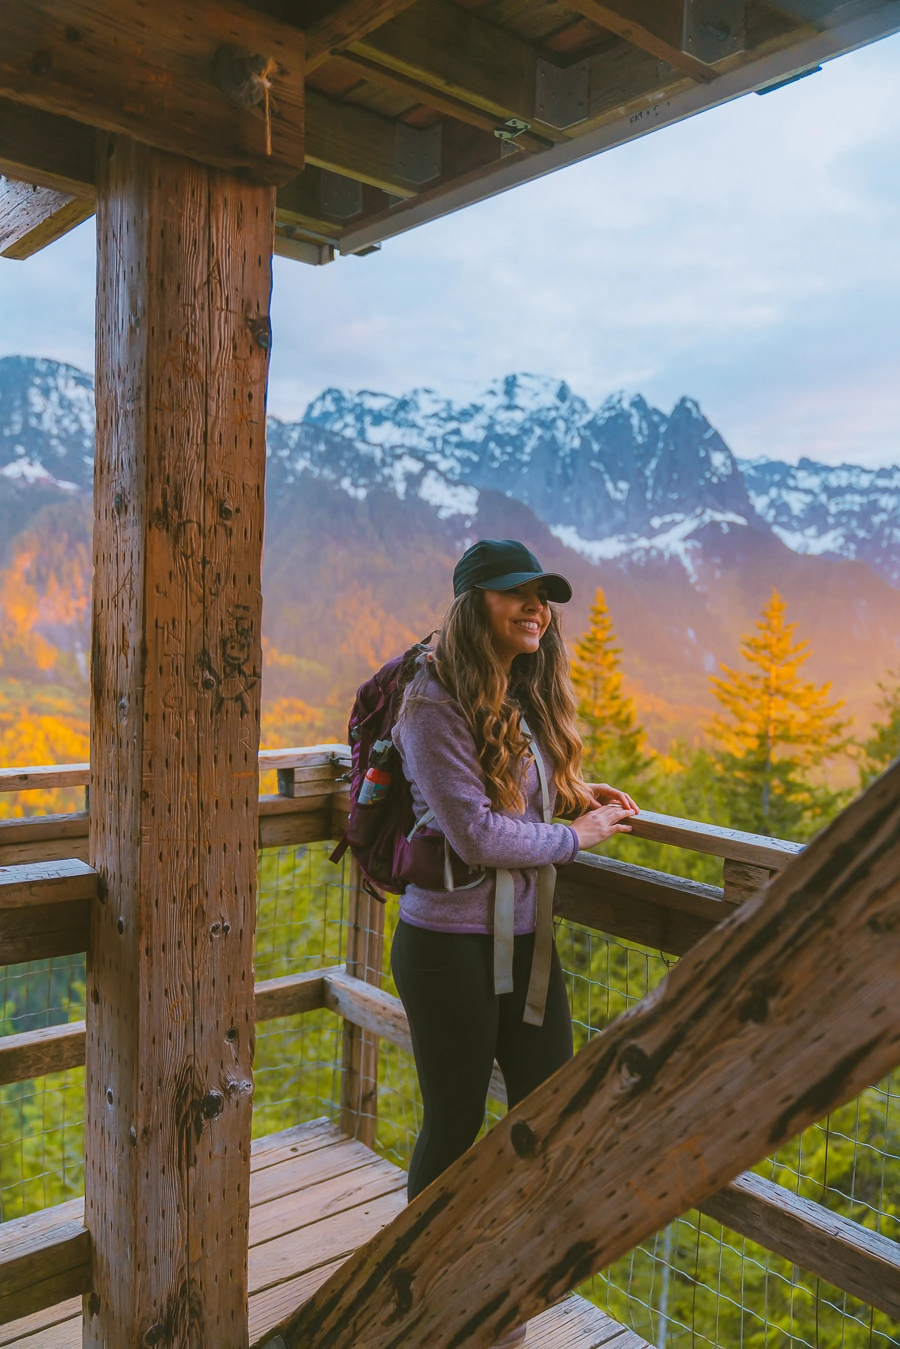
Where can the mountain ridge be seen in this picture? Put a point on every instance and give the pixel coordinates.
(652, 506)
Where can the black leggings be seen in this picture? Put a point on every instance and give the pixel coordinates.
(459, 1025)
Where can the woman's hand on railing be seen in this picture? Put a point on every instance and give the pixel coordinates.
(600, 824)
(605, 795)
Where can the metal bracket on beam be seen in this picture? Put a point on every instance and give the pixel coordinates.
(714, 29)
(561, 93)
(417, 152)
(340, 197)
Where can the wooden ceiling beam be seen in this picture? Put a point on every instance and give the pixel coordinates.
(444, 47)
(656, 26)
(40, 147)
(348, 23)
(430, 97)
(32, 217)
(149, 72)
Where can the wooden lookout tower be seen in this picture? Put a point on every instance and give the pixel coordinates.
(206, 134)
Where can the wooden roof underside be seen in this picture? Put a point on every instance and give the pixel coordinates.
(411, 109)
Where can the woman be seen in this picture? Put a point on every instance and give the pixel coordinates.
(473, 992)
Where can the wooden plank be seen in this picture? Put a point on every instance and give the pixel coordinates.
(106, 63)
(359, 1052)
(65, 1334)
(440, 44)
(741, 880)
(774, 853)
(45, 1258)
(47, 883)
(346, 23)
(308, 761)
(665, 913)
(15, 1331)
(385, 78)
(36, 1052)
(656, 26)
(32, 1053)
(40, 147)
(355, 143)
(44, 910)
(781, 1014)
(844, 1253)
(329, 1239)
(284, 831)
(44, 930)
(175, 737)
(368, 1007)
(289, 995)
(32, 217)
(352, 1185)
(45, 775)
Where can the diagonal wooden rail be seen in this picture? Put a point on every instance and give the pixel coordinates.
(785, 1011)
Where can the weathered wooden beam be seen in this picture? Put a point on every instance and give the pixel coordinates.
(40, 147)
(784, 1012)
(431, 97)
(33, 1053)
(32, 217)
(656, 26)
(359, 1051)
(44, 909)
(45, 1258)
(356, 143)
(176, 661)
(714, 839)
(346, 23)
(665, 913)
(440, 44)
(115, 65)
(843, 1252)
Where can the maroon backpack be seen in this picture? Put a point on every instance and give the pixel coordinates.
(391, 849)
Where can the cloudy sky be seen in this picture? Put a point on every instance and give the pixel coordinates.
(749, 257)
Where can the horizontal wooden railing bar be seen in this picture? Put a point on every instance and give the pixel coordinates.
(848, 1255)
(52, 1049)
(44, 909)
(761, 851)
(45, 1258)
(79, 774)
(651, 908)
(826, 1244)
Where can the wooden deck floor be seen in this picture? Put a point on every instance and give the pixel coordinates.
(315, 1196)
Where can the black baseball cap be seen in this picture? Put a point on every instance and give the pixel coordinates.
(500, 564)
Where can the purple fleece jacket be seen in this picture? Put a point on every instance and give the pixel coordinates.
(441, 765)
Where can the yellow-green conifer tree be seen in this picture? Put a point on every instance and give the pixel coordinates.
(777, 730)
(612, 738)
(883, 745)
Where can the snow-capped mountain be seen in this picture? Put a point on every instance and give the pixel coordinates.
(46, 422)
(844, 511)
(623, 481)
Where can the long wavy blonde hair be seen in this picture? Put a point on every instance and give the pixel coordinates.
(493, 704)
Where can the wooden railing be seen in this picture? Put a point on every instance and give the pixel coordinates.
(46, 890)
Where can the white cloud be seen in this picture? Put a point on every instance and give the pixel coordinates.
(747, 257)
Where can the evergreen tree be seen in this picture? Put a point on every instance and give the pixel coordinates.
(612, 738)
(779, 729)
(883, 746)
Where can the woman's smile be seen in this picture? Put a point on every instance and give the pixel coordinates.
(518, 619)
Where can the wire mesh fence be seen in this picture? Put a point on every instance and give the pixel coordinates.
(695, 1284)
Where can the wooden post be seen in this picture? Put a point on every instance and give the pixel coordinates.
(365, 955)
(184, 279)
